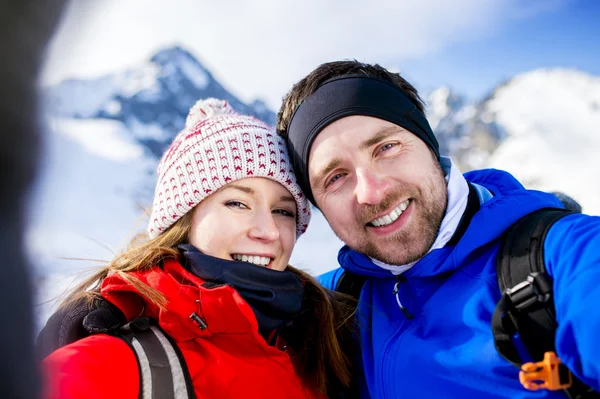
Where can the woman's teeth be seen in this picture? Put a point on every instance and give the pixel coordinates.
(256, 260)
(390, 217)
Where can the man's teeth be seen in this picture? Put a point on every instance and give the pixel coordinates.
(392, 216)
(257, 260)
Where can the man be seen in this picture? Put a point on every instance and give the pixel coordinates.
(426, 238)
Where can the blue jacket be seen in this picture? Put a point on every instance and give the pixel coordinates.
(447, 349)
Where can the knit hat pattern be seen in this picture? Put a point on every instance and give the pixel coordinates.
(219, 146)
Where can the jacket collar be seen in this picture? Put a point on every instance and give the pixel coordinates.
(186, 294)
(275, 297)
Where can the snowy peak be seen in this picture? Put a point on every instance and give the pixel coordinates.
(551, 118)
(442, 104)
(541, 126)
(548, 99)
(458, 126)
(176, 57)
(151, 100)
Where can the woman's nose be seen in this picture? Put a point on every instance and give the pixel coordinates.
(263, 228)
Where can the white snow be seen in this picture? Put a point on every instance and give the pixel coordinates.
(102, 137)
(113, 107)
(438, 107)
(142, 78)
(552, 118)
(86, 205)
(84, 99)
(75, 98)
(151, 131)
(194, 73)
(465, 113)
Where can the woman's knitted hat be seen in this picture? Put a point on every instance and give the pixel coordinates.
(216, 147)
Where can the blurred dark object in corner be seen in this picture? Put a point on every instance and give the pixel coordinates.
(568, 202)
(25, 29)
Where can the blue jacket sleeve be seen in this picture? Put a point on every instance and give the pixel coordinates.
(329, 280)
(572, 255)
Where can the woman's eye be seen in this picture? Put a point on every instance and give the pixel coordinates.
(285, 212)
(236, 204)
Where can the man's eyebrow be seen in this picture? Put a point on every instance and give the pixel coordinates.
(321, 175)
(379, 136)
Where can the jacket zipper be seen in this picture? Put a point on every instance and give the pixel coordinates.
(394, 336)
(396, 293)
(195, 316)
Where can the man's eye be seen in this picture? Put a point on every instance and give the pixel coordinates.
(386, 147)
(334, 178)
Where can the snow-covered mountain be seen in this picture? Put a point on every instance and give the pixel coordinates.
(105, 136)
(463, 129)
(151, 100)
(552, 120)
(541, 126)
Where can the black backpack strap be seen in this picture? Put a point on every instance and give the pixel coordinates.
(526, 307)
(163, 371)
(350, 284)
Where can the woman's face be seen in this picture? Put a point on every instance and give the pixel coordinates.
(251, 220)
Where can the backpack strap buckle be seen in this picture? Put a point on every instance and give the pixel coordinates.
(537, 289)
(549, 374)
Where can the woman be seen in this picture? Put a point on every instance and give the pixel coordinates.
(226, 215)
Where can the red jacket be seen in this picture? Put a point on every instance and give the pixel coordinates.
(229, 359)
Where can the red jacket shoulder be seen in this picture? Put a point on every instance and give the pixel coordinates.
(99, 366)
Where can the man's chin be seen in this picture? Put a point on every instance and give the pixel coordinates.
(390, 250)
(394, 253)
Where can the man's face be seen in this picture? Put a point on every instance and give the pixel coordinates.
(379, 186)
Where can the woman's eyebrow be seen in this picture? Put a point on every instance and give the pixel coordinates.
(244, 189)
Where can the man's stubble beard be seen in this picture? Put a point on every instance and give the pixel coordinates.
(416, 239)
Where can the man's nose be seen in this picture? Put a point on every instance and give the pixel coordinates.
(371, 187)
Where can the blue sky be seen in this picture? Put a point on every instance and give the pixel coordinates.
(259, 48)
(567, 36)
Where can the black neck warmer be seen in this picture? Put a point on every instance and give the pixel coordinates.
(274, 296)
(349, 95)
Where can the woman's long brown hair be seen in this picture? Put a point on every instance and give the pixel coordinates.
(322, 337)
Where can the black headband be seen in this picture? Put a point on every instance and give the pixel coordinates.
(349, 95)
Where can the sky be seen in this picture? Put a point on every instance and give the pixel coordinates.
(259, 48)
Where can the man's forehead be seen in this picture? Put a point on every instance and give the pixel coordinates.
(354, 131)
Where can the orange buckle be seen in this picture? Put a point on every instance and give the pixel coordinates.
(549, 374)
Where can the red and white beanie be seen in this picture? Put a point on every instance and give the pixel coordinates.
(216, 147)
